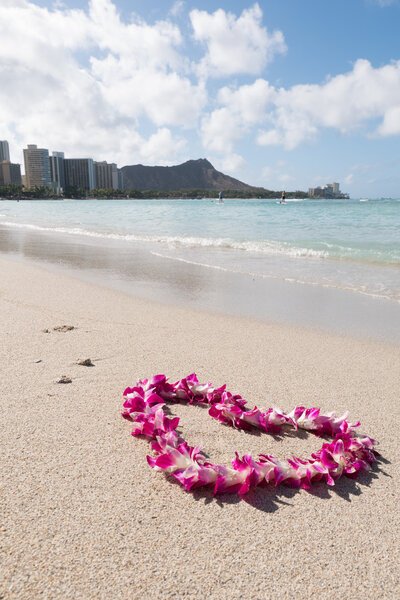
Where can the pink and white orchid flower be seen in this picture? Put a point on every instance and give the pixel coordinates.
(346, 454)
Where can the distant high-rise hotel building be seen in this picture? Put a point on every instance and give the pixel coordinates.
(4, 151)
(10, 173)
(330, 190)
(114, 173)
(106, 175)
(103, 173)
(37, 166)
(120, 178)
(79, 172)
(57, 171)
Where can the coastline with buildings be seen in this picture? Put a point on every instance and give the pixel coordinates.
(330, 190)
(60, 174)
(55, 176)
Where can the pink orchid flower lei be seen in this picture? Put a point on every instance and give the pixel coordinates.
(346, 454)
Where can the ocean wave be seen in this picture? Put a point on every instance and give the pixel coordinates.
(379, 294)
(259, 247)
(267, 247)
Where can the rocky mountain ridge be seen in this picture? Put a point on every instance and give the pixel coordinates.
(190, 175)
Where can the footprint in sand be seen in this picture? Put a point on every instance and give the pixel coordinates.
(64, 328)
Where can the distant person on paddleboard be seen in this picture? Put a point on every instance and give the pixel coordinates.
(220, 197)
(283, 200)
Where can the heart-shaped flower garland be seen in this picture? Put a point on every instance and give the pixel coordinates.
(346, 454)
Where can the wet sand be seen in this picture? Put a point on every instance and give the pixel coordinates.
(84, 516)
(134, 268)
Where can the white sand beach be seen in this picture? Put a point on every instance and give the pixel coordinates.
(83, 516)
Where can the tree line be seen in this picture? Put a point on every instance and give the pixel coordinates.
(41, 192)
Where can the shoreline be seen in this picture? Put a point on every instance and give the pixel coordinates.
(151, 275)
(83, 515)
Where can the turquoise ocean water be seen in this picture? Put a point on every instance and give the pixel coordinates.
(346, 244)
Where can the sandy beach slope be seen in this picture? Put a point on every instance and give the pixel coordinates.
(82, 516)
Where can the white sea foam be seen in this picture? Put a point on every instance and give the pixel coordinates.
(266, 247)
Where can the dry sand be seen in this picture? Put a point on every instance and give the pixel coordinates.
(82, 514)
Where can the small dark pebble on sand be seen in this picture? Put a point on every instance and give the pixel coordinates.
(64, 379)
(86, 362)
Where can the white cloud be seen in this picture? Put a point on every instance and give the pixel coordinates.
(248, 102)
(231, 163)
(160, 145)
(137, 43)
(288, 117)
(177, 8)
(82, 82)
(235, 44)
(346, 103)
(289, 130)
(242, 108)
(165, 98)
(391, 122)
(219, 132)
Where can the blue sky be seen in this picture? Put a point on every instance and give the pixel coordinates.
(289, 94)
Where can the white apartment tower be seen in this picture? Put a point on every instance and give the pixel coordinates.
(37, 166)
